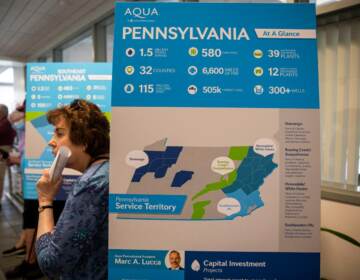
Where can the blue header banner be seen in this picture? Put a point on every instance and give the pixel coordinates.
(50, 85)
(258, 56)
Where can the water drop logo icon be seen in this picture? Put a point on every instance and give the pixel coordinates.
(129, 88)
(195, 265)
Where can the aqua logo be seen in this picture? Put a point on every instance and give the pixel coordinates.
(141, 13)
(195, 266)
(37, 69)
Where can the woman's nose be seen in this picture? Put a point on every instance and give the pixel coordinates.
(52, 142)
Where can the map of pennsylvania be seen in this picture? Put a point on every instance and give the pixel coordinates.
(212, 183)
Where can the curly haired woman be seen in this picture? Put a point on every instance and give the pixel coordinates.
(76, 248)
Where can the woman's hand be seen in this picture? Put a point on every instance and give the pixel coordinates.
(47, 190)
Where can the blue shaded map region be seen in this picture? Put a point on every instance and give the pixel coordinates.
(159, 162)
(181, 178)
(251, 173)
(248, 202)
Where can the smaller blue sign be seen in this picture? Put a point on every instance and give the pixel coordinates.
(49, 86)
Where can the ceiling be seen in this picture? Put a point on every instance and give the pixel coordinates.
(29, 27)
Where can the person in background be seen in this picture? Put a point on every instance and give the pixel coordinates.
(7, 136)
(16, 119)
(76, 248)
(28, 268)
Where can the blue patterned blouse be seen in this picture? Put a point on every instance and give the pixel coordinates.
(77, 248)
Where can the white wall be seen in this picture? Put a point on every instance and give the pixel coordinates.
(340, 260)
(19, 84)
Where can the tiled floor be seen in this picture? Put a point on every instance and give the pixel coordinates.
(10, 224)
(10, 228)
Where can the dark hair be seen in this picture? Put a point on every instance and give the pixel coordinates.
(88, 125)
(3, 110)
(21, 108)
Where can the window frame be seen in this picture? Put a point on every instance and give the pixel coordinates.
(334, 13)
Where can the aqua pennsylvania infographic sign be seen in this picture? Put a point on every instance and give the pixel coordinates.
(214, 142)
(48, 86)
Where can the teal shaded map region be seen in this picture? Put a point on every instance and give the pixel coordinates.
(251, 173)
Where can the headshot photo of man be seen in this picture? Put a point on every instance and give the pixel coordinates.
(174, 260)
